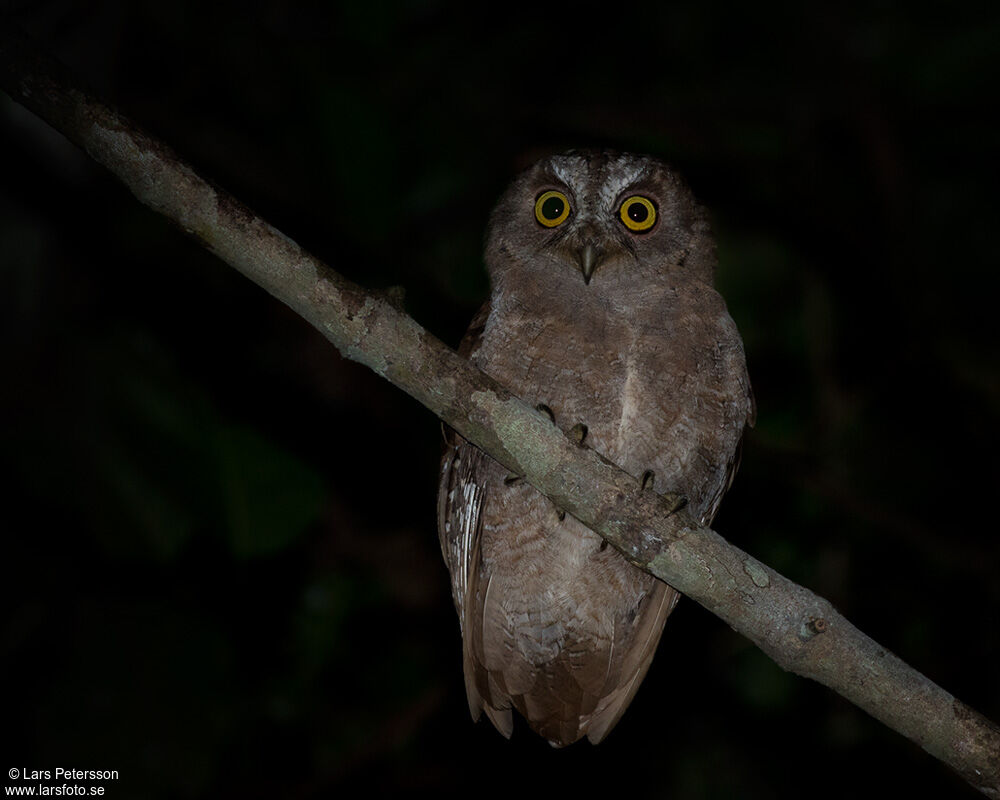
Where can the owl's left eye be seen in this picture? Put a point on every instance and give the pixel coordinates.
(638, 213)
(551, 208)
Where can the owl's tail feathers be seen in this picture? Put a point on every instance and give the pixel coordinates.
(569, 697)
(501, 718)
(612, 706)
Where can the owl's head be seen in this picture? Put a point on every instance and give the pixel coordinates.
(602, 219)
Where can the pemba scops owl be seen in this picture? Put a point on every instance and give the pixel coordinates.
(602, 313)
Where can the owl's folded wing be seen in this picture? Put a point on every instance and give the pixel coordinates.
(460, 503)
(461, 492)
(740, 413)
(461, 498)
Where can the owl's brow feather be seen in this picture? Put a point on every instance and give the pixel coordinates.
(618, 184)
(558, 171)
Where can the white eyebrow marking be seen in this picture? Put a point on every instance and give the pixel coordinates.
(615, 177)
(557, 167)
(617, 182)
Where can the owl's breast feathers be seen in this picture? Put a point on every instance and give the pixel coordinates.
(661, 386)
(554, 623)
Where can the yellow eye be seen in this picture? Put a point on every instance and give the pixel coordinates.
(638, 213)
(551, 209)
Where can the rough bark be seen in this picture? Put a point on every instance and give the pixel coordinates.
(800, 631)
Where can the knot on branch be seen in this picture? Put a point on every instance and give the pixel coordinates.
(813, 627)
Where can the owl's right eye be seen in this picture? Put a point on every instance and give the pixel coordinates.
(551, 208)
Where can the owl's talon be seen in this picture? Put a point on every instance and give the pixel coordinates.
(547, 412)
(561, 514)
(578, 433)
(396, 295)
(677, 501)
(511, 479)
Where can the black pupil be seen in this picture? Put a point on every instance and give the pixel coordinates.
(552, 208)
(638, 212)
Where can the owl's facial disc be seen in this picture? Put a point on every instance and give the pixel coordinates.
(593, 224)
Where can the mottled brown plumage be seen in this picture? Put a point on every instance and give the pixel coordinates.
(622, 331)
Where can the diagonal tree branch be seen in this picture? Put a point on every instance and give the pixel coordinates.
(800, 631)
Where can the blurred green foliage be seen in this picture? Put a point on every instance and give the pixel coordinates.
(223, 574)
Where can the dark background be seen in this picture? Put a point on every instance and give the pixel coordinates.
(221, 569)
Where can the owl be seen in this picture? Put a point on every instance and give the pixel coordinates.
(602, 314)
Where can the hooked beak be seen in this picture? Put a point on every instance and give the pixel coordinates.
(589, 257)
